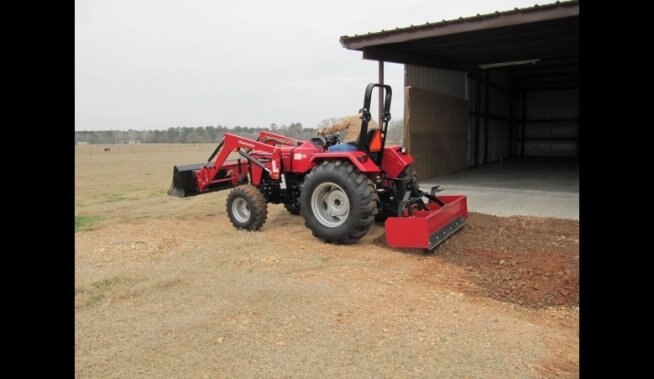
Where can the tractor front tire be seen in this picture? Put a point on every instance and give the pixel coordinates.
(247, 208)
(338, 203)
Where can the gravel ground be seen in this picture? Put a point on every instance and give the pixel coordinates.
(192, 297)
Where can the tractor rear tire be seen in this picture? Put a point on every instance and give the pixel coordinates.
(338, 203)
(247, 208)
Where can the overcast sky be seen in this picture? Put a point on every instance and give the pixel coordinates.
(155, 64)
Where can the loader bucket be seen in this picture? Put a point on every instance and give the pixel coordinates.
(425, 229)
(184, 182)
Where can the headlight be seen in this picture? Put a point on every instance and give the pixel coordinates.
(403, 150)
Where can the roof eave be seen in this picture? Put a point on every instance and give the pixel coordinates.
(460, 26)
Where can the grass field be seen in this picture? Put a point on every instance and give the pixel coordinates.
(166, 287)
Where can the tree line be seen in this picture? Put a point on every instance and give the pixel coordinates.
(208, 134)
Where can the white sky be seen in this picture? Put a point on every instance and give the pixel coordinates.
(155, 64)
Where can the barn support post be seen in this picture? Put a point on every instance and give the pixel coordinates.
(381, 92)
(511, 124)
(524, 123)
(486, 112)
(475, 164)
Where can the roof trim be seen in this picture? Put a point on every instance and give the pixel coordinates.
(401, 57)
(480, 22)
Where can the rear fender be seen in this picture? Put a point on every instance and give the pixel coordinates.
(358, 158)
(394, 161)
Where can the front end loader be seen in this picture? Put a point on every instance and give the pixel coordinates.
(339, 194)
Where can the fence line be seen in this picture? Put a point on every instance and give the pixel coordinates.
(92, 149)
(99, 148)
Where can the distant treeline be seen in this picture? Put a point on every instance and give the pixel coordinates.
(185, 134)
(203, 134)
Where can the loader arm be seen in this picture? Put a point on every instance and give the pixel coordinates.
(232, 143)
(271, 138)
(219, 173)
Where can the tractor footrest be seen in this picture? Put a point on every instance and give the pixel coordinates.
(426, 229)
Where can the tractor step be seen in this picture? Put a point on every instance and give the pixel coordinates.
(426, 229)
(185, 182)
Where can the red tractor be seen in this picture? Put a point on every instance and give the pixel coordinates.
(339, 194)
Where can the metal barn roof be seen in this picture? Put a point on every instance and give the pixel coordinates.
(547, 35)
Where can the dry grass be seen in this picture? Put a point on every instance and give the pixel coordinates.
(165, 287)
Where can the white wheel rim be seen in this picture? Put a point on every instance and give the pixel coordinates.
(241, 210)
(330, 205)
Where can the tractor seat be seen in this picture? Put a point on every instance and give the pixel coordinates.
(374, 141)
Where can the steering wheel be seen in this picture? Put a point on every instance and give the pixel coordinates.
(332, 139)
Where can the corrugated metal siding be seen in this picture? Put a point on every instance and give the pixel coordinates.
(498, 130)
(443, 82)
(555, 137)
(500, 77)
(499, 104)
(498, 140)
(553, 104)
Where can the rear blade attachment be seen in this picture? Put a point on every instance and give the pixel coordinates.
(425, 227)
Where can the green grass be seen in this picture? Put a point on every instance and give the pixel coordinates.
(99, 289)
(114, 197)
(83, 223)
(104, 283)
(94, 299)
(324, 259)
(159, 193)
